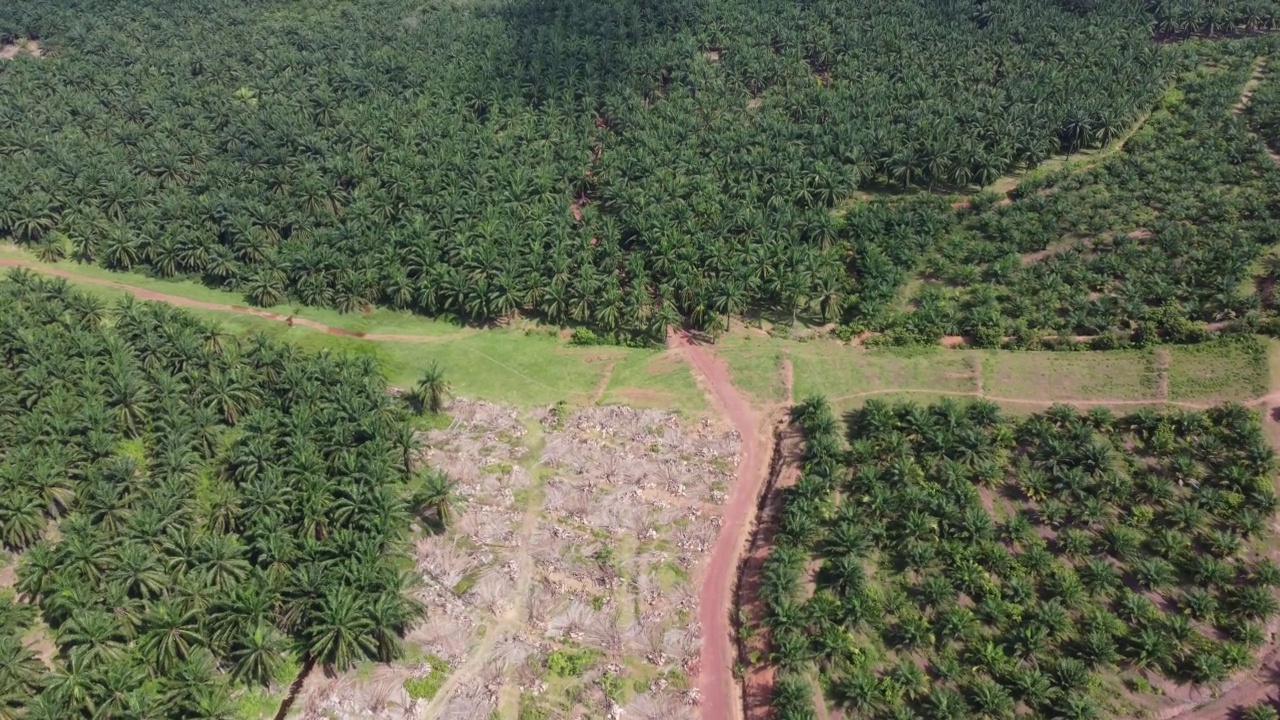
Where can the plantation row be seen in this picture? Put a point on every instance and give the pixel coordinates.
(1176, 19)
(618, 165)
(196, 512)
(1158, 240)
(971, 563)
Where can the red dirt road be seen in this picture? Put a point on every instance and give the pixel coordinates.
(719, 692)
(152, 295)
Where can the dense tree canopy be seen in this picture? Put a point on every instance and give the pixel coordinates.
(194, 511)
(979, 562)
(1211, 18)
(620, 164)
(1159, 239)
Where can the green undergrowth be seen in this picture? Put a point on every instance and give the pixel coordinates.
(526, 366)
(1230, 368)
(425, 687)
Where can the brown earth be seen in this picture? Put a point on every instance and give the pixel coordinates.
(13, 50)
(716, 684)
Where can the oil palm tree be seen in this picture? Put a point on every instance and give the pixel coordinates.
(432, 391)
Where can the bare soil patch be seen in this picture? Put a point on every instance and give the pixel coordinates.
(25, 47)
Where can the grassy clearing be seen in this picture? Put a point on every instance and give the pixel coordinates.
(1118, 375)
(532, 366)
(840, 372)
(755, 362)
(1229, 369)
(846, 375)
(509, 366)
(849, 373)
(521, 366)
(654, 380)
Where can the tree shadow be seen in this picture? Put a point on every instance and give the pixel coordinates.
(1237, 712)
(585, 50)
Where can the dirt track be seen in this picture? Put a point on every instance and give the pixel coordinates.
(179, 301)
(716, 684)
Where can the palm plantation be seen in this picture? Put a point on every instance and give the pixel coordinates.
(1019, 561)
(631, 164)
(226, 509)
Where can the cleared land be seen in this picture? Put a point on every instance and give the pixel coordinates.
(491, 640)
(568, 581)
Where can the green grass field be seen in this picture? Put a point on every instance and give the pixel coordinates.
(1119, 375)
(1023, 381)
(1222, 370)
(525, 366)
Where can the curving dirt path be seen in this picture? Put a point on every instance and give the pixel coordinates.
(186, 302)
(603, 385)
(716, 685)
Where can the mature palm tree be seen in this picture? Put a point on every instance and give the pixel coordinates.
(257, 655)
(339, 635)
(170, 636)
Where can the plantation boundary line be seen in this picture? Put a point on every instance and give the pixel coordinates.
(186, 302)
(292, 321)
(720, 692)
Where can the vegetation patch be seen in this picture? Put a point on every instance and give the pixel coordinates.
(1231, 368)
(971, 563)
(241, 174)
(425, 687)
(1044, 375)
(222, 505)
(570, 662)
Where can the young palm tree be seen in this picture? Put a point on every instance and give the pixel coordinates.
(432, 391)
(437, 495)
